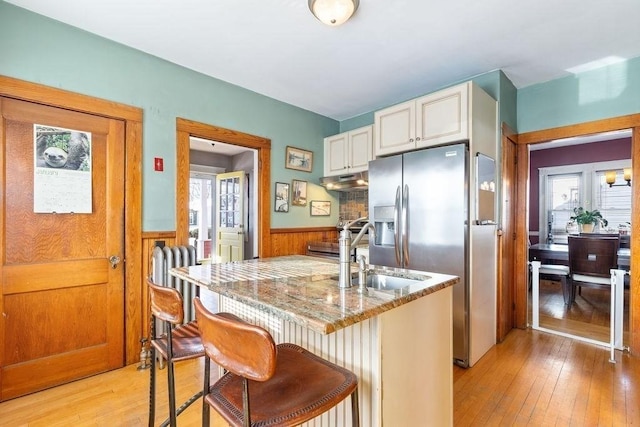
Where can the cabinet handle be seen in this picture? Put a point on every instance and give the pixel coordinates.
(410, 139)
(418, 139)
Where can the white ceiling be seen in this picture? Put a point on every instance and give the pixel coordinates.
(390, 51)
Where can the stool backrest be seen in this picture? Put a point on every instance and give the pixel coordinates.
(166, 303)
(593, 255)
(239, 347)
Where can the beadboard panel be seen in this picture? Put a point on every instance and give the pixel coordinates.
(354, 348)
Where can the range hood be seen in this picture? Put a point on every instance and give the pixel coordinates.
(357, 181)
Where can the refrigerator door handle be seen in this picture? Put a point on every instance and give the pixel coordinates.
(405, 225)
(396, 232)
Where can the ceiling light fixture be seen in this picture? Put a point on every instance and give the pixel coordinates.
(333, 12)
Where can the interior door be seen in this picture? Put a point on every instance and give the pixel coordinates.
(229, 216)
(506, 241)
(62, 273)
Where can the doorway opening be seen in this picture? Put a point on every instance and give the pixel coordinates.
(223, 189)
(570, 174)
(188, 129)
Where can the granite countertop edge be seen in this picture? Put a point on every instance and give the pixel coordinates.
(313, 301)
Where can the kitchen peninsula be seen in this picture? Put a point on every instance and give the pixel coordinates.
(398, 342)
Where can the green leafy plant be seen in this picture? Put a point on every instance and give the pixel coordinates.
(583, 216)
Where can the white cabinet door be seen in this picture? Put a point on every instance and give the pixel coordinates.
(443, 116)
(348, 151)
(335, 154)
(360, 148)
(395, 129)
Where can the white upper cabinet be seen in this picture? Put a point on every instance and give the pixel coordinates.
(433, 119)
(395, 129)
(348, 152)
(335, 154)
(443, 116)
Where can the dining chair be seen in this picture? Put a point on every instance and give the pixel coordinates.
(591, 258)
(178, 342)
(267, 384)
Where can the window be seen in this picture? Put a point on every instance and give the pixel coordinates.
(563, 188)
(563, 196)
(201, 213)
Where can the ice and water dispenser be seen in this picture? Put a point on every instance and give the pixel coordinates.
(385, 224)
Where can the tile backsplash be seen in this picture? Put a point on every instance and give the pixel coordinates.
(354, 204)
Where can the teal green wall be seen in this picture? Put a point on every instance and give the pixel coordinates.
(38, 49)
(41, 50)
(607, 92)
(356, 122)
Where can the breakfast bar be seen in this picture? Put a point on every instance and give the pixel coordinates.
(396, 339)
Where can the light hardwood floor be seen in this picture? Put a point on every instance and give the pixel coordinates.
(539, 379)
(532, 378)
(588, 316)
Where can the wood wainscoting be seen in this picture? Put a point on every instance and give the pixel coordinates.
(293, 241)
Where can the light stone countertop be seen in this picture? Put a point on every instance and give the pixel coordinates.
(304, 290)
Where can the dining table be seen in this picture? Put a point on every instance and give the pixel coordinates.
(554, 253)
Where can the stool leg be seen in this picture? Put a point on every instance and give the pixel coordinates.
(205, 390)
(355, 410)
(172, 394)
(152, 388)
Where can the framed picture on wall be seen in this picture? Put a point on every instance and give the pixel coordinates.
(299, 193)
(320, 208)
(282, 197)
(298, 159)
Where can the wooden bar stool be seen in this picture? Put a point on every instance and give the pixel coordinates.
(181, 342)
(267, 384)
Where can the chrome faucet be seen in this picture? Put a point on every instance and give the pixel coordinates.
(346, 244)
(362, 273)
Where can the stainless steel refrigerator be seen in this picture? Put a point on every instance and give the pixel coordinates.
(419, 204)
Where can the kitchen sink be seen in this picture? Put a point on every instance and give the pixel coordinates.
(386, 282)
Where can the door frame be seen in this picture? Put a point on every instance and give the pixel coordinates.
(521, 251)
(506, 236)
(187, 128)
(132, 118)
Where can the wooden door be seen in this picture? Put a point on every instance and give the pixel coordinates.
(506, 241)
(62, 299)
(229, 216)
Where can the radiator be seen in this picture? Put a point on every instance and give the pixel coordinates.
(166, 258)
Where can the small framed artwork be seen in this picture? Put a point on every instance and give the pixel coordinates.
(299, 193)
(282, 197)
(320, 208)
(299, 159)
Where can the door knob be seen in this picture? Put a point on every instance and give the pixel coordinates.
(114, 260)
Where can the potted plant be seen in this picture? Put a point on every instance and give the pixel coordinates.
(588, 219)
